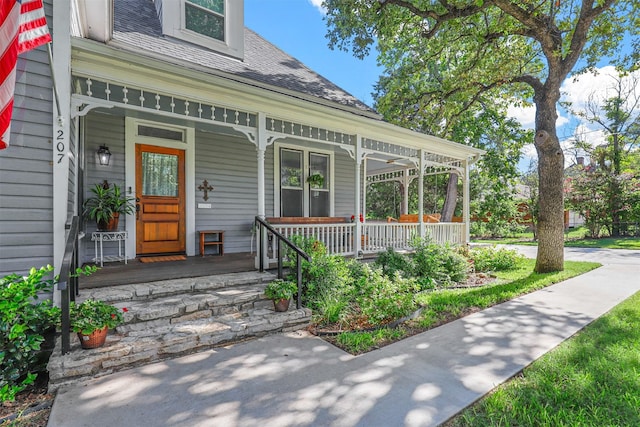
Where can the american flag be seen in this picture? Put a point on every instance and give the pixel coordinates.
(22, 27)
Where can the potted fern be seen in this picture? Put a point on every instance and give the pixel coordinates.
(106, 205)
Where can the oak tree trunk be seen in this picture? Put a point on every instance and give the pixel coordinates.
(449, 207)
(551, 175)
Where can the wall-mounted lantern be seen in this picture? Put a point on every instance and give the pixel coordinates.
(104, 155)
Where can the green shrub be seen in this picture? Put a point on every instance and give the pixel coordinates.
(439, 263)
(495, 259)
(332, 308)
(328, 274)
(391, 262)
(381, 299)
(23, 322)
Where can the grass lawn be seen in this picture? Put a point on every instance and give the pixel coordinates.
(573, 238)
(446, 305)
(592, 379)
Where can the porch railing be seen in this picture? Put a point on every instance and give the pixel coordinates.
(68, 281)
(263, 228)
(340, 239)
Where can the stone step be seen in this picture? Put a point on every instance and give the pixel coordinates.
(174, 309)
(172, 318)
(139, 347)
(166, 288)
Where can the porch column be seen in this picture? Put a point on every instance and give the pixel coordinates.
(61, 152)
(421, 193)
(364, 190)
(261, 147)
(358, 232)
(465, 203)
(405, 192)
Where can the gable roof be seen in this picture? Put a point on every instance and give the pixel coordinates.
(137, 28)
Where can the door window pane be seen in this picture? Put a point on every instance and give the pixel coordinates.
(159, 174)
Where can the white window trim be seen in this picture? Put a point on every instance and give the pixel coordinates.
(305, 167)
(188, 145)
(173, 24)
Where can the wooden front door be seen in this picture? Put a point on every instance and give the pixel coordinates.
(160, 203)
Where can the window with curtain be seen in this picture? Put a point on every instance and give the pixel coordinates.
(160, 174)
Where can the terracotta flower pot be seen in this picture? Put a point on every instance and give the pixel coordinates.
(111, 225)
(95, 339)
(282, 304)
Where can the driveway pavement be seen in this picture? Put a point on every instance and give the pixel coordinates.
(299, 380)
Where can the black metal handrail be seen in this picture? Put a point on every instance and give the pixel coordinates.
(260, 223)
(68, 280)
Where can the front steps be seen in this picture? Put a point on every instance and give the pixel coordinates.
(172, 318)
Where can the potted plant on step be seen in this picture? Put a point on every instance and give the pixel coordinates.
(106, 205)
(281, 291)
(91, 320)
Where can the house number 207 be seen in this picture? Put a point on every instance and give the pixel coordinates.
(60, 148)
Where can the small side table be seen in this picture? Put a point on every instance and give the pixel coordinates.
(99, 237)
(217, 235)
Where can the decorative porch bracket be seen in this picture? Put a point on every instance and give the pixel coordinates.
(81, 105)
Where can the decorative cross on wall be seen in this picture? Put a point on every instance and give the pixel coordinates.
(206, 188)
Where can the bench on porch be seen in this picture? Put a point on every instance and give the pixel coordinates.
(413, 218)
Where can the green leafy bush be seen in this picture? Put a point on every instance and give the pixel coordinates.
(23, 322)
(382, 299)
(391, 262)
(495, 259)
(439, 263)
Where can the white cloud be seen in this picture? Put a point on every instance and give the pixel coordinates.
(597, 86)
(318, 5)
(527, 116)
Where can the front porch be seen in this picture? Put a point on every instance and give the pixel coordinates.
(119, 273)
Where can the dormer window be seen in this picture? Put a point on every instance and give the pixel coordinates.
(205, 17)
(215, 24)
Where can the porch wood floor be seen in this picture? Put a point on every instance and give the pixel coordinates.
(119, 273)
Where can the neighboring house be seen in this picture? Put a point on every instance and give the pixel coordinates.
(179, 102)
(573, 219)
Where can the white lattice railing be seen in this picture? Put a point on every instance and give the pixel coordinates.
(379, 237)
(443, 232)
(338, 238)
(376, 237)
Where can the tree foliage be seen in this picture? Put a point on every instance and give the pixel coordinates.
(618, 115)
(470, 51)
(600, 196)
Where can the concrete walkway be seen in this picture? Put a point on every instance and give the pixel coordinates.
(299, 380)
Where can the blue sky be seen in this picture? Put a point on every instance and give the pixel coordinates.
(297, 27)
